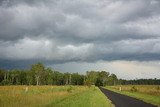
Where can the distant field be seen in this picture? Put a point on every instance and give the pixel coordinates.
(147, 93)
(52, 96)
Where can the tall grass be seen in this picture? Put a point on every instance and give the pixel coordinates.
(16, 96)
(146, 89)
(43, 96)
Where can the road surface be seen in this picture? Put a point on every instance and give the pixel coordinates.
(120, 100)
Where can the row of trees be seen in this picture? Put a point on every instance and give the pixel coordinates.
(101, 78)
(140, 82)
(40, 75)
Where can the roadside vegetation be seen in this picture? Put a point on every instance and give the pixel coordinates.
(41, 86)
(52, 96)
(147, 93)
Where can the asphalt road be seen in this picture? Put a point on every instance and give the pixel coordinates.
(120, 100)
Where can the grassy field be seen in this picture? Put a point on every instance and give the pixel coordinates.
(52, 96)
(147, 93)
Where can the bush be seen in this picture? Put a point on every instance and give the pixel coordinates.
(88, 83)
(70, 89)
(158, 87)
(133, 89)
(98, 83)
(5, 82)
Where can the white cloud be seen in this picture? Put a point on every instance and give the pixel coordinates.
(26, 49)
(43, 49)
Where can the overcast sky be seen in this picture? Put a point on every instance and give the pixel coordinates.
(119, 36)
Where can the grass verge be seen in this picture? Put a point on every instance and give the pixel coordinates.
(92, 97)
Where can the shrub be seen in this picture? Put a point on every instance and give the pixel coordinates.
(70, 89)
(5, 82)
(133, 89)
(158, 87)
(88, 83)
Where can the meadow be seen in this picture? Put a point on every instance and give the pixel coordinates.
(52, 96)
(147, 93)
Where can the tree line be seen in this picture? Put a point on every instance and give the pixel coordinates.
(38, 74)
(140, 82)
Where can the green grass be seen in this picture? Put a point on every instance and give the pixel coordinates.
(52, 96)
(140, 94)
(90, 98)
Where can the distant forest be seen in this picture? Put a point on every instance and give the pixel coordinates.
(38, 74)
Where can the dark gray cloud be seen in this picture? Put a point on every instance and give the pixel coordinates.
(58, 31)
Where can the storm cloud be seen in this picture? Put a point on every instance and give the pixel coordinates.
(61, 31)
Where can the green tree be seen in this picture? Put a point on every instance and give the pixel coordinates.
(48, 77)
(77, 79)
(112, 80)
(57, 78)
(14, 77)
(2, 75)
(102, 78)
(66, 78)
(30, 76)
(38, 70)
(92, 76)
(23, 77)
